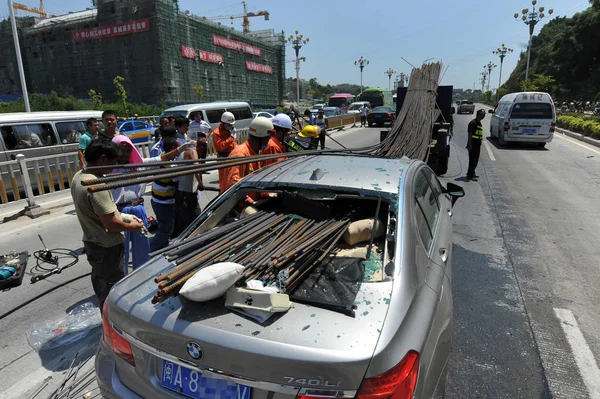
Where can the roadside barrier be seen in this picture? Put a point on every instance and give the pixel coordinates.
(52, 173)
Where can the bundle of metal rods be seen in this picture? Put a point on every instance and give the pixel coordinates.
(411, 133)
(409, 136)
(265, 243)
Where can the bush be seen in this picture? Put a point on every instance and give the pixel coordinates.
(580, 124)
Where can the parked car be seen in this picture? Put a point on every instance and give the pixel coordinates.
(380, 115)
(397, 328)
(332, 111)
(136, 130)
(267, 115)
(354, 107)
(524, 117)
(317, 107)
(466, 107)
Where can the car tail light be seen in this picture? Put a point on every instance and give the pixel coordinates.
(389, 115)
(114, 340)
(396, 383)
(506, 126)
(552, 127)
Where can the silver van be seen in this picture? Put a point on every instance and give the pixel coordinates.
(211, 112)
(37, 134)
(524, 117)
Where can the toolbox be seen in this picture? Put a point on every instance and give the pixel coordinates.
(17, 278)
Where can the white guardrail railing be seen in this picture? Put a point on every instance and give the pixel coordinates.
(52, 173)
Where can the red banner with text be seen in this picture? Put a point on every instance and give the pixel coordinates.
(253, 66)
(206, 56)
(101, 32)
(235, 45)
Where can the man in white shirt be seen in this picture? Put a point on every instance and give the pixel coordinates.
(364, 110)
(200, 131)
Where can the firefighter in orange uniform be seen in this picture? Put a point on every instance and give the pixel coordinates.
(258, 138)
(224, 138)
(283, 126)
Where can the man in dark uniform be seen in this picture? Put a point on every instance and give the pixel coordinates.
(475, 133)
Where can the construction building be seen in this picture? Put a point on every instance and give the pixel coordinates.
(165, 55)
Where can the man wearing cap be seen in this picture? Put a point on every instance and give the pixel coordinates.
(258, 139)
(283, 126)
(223, 139)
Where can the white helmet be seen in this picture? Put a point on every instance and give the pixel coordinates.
(282, 120)
(261, 127)
(228, 117)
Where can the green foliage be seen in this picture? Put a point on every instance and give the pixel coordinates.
(199, 90)
(121, 93)
(566, 49)
(580, 124)
(540, 82)
(95, 99)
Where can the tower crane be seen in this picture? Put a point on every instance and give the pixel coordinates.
(246, 16)
(41, 11)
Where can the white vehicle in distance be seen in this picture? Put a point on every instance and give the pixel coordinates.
(317, 107)
(211, 112)
(267, 115)
(524, 117)
(354, 107)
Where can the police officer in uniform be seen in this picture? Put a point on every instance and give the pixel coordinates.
(475, 132)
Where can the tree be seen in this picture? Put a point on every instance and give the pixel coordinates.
(96, 99)
(199, 90)
(540, 82)
(121, 93)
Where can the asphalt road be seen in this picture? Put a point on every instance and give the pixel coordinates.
(524, 276)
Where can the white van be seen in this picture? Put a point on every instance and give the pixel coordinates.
(524, 117)
(211, 112)
(37, 134)
(354, 107)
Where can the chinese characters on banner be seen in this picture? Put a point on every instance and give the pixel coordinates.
(101, 32)
(235, 45)
(253, 66)
(206, 56)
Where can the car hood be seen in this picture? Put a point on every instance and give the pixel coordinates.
(304, 341)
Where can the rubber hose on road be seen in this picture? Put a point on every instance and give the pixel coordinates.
(35, 298)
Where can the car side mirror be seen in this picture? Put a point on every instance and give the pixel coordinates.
(452, 110)
(455, 191)
(490, 111)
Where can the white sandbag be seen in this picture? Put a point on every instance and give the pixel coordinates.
(360, 231)
(247, 211)
(211, 282)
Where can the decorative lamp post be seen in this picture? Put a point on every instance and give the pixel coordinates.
(361, 62)
(501, 52)
(484, 75)
(389, 73)
(531, 19)
(297, 42)
(489, 66)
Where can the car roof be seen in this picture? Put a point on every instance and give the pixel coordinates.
(341, 171)
(47, 116)
(200, 106)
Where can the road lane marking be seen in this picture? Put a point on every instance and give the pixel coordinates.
(584, 358)
(560, 135)
(489, 151)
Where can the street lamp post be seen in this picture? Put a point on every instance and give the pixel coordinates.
(531, 19)
(361, 62)
(484, 75)
(18, 51)
(501, 52)
(297, 42)
(489, 66)
(389, 73)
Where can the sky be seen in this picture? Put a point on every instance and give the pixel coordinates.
(461, 34)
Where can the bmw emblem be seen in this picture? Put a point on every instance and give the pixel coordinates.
(194, 350)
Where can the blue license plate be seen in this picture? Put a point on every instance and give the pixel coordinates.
(193, 384)
(529, 131)
(377, 116)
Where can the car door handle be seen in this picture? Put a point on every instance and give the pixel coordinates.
(449, 210)
(444, 255)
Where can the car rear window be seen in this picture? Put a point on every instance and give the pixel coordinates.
(531, 111)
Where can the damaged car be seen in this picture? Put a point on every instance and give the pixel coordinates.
(338, 286)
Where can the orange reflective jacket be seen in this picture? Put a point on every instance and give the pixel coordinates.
(274, 147)
(232, 175)
(222, 140)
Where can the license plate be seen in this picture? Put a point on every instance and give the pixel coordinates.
(377, 116)
(529, 131)
(193, 384)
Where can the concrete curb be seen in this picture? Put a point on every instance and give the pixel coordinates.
(579, 136)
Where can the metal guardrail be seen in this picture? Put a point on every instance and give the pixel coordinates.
(52, 173)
